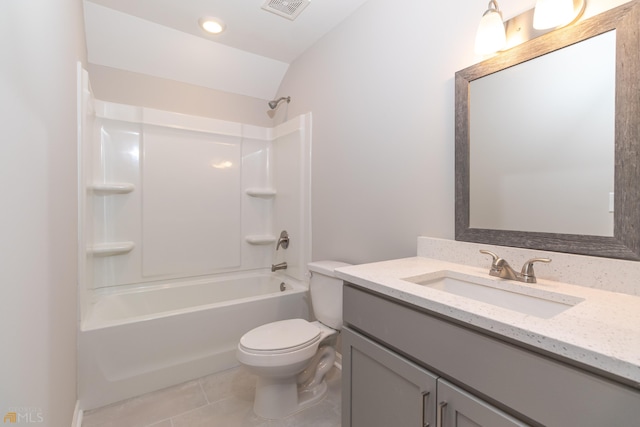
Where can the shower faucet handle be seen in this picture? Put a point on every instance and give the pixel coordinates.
(283, 240)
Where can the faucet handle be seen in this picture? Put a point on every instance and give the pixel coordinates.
(497, 265)
(495, 257)
(283, 240)
(527, 273)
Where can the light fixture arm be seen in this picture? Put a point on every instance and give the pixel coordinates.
(492, 7)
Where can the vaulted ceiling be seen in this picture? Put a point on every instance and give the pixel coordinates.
(162, 38)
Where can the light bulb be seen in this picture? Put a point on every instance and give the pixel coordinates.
(490, 36)
(212, 25)
(552, 14)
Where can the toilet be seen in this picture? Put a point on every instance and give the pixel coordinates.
(291, 357)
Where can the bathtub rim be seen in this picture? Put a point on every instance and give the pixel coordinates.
(87, 323)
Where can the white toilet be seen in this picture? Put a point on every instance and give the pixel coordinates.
(291, 357)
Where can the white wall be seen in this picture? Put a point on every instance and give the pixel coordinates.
(40, 41)
(381, 89)
(126, 87)
(380, 86)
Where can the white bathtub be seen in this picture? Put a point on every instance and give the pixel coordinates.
(139, 340)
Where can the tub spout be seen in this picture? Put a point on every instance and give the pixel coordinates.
(281, 266)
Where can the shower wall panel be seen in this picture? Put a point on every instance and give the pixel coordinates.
(116, 217)
(257, 212)
(171, 196)
(190, 202)
(292, 158)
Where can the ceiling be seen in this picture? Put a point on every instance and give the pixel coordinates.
(162, 38)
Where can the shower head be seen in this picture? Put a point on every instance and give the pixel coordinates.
(273, 104)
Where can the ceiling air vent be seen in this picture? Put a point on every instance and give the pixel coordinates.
(289, 9)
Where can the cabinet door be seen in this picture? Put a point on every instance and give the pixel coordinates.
(381, 388)
(461, 409)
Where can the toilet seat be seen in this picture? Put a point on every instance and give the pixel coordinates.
(280, 337)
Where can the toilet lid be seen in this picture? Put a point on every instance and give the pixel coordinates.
(281, 335)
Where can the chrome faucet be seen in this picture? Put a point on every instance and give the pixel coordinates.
(281, 266)
(501, 268)
(283, 240)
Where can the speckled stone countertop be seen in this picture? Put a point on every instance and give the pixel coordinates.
(602, 330)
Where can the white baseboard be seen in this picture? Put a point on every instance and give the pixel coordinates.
(77, 416)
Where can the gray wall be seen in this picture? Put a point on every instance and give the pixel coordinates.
(40, 41)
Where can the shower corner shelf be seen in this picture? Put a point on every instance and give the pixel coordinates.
(265, 192)
(111, 249)
(112, 188)
(260, 239)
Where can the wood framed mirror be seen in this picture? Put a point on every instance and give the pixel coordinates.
(623, 241)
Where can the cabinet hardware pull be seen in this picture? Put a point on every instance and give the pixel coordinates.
(440, 416)
(425, 406)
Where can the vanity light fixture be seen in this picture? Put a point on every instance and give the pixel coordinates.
(556, 13)
(212, 25)
(494, 34)
(491, 36)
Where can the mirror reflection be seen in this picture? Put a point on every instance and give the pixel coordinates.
(542, 139)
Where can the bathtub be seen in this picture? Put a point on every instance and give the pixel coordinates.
(145, 338)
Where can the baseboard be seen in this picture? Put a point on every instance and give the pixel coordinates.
(77, 416)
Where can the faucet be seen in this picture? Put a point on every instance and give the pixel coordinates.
(281, 266)
(501, 268)
(283, 240)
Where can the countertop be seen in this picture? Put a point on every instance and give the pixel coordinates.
(602, 331)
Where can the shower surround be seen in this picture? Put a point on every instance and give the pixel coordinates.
(179, 216)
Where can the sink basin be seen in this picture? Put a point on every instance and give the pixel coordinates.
(505, 294)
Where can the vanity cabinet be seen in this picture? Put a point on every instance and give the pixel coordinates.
(401, 362)
(457, 408)
(384, 389)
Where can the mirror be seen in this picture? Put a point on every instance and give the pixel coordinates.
(513, 185)
(562, 181)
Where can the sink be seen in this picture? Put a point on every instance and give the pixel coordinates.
(505, 294)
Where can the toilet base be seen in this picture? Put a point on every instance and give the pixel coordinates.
(277, 398)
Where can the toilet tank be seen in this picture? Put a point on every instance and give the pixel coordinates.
(326, 292)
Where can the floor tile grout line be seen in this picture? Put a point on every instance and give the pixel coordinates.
(127, 402)
(203, 392)
(158, 422)
(192, 409)
(189, 411)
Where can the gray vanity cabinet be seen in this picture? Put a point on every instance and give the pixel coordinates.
(401, 362)
(457, 408)
(383, 389)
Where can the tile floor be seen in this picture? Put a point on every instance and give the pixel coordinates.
(224, 399)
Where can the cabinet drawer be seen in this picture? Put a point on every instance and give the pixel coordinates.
(522, 382)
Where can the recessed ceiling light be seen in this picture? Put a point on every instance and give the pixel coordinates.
(212, 25)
